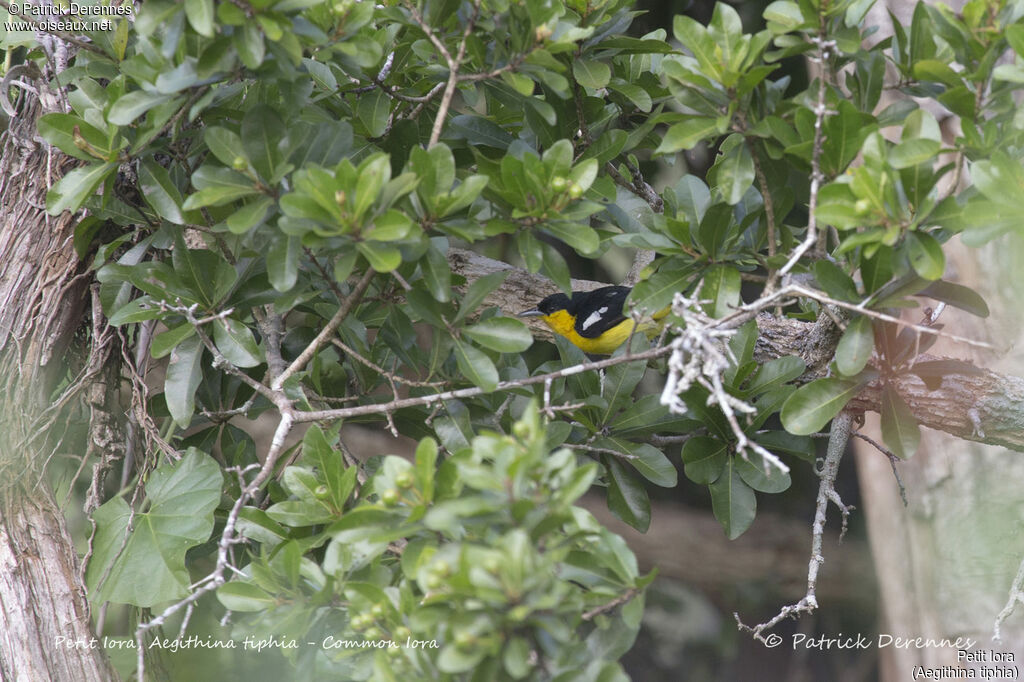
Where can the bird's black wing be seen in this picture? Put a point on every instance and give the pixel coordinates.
(599, 310)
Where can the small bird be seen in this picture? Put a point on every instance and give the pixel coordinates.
(592, 320)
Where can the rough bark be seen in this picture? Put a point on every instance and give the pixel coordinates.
(42, 597)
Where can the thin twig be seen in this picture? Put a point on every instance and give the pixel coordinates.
(618, 601)
(453, 76)
(893, 459)
(820, 109)
(1016, 597)
(383, 408)
(327, 332)
(837, 441)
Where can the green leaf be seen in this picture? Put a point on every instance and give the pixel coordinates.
(74, 188)
(283, 262)
(786, 14)
(262, 132)
(647, 459)
(814, 404)
(184, 372)
(160, 192)
(249, 216)
(372, 111)
(503, 334)
(225, 144)
(912, 152)
(689, 133)
(835, 282)
(132, 105)
(722, 289)
(732, 501)
(658, 290)
(582, 238)
(200, 15)
(704, 459)
(478, 130)
(476, 366)
(780, 441)
(591, 74)
(140, 560)
(218, 186)
(248, 42)
(381, 257)
(925, 254)
(899, 426)
(437, 274)
(245, 597)
(627, 497)
(956, 295)
(734, 169)
(763, 479)
(425, 467)
(73, 136)
(138, 310)
(165, 342)
(855, 347)
(477, 292)
(775, 373)
(235, 341)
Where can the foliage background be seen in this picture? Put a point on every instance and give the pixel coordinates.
(268, 167)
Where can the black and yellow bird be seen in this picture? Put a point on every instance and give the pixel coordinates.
(593, 320)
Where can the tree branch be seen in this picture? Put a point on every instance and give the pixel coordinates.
(971, 403)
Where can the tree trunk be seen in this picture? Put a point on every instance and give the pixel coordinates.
(946, 561)
(45, 630)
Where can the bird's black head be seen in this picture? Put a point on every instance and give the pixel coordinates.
(549, 305)
(554, 302)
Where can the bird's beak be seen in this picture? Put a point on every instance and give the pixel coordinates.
(533, 312)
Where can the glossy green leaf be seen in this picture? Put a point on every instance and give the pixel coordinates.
(166, 341)
(835, 282)
(627, 497)
(722, 289)
(647, 459)
(732, 501)
(855, 347)
(184, 373)
(73, 189)
(235, 341)
(283, 262)
(381, 258)
(734, 170)
(591, 74)
(262, 131)
(160, 192)
(704, 458)
(813, 405)
(775, 373)
(958, 296)
(762, 478)
(925, 254)
(689, 133)
(477, 292)
(503, 334)
(476, 366)
(132, 105)
(200, 15)
(74, 136)
(912, 152)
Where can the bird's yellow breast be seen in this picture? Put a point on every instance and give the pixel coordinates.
(564, 324)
